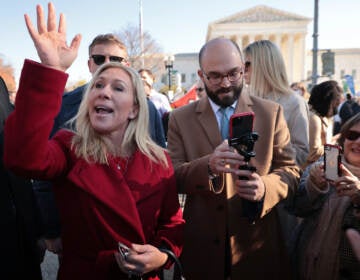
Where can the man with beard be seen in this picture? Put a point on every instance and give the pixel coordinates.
(221, 242)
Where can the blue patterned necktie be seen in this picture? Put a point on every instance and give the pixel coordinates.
(224, 122)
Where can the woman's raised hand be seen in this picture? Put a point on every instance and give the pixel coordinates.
(50, 40)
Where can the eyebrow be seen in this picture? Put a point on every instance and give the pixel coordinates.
(238, 68)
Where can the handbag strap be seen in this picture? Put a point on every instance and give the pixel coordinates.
(176, 261)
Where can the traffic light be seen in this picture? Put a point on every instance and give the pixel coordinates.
(328, 63)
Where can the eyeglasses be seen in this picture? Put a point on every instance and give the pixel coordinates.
(100, 59)
(217, 78)
(247, 65)
(199, 89)
(352, 135)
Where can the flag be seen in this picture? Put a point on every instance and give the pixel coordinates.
(190, 96)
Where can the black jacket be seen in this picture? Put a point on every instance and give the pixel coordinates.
(20, 224)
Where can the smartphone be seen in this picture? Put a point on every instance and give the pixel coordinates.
(242, 137)
(123, 249)
(241, 124)
(332, 161)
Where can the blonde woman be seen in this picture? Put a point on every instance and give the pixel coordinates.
(266, 77)
(112, 183)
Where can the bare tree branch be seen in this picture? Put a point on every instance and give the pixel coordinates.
(152, 52)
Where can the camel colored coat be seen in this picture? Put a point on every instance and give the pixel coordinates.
(258, 251)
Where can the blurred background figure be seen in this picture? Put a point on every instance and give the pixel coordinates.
(323, 102)
(349, 109)
(337, 118)
(20, 217)
(160, 101)
(265, 75)
(300, 89)
(200, 89)
(329, 208)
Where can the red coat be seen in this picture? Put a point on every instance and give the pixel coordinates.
(99, 204)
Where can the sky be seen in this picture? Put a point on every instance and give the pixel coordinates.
(177, 26)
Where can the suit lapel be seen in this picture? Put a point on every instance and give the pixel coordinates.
(207, 120)
(244, 103)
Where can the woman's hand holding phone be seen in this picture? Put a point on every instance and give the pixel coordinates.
(317, 176)
(348, 185)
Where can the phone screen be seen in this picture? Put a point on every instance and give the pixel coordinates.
(241, 124)
(332, 161)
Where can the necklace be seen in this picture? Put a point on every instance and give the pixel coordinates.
(122, 164)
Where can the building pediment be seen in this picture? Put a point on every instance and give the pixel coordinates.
(261, 13)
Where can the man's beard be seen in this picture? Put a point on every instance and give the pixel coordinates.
(226, 100)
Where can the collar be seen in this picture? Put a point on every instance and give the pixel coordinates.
(216, 107)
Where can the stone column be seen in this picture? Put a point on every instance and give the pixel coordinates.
(302, 56)
(239, 41)
(290, 66)
(251, 38)
(278, 40)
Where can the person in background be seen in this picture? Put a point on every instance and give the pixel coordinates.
(102, 167)
(300, 89)
(200, 89)
(348, 109)
(265, 74)
(323, 103)
(328, 208)
(337, 118)
(222, 239)
(20, 218)
(160, 100)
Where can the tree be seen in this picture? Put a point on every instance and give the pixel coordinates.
(7, 73)
(152, 53)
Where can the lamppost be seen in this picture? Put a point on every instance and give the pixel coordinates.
(169, 64)
(314, 75)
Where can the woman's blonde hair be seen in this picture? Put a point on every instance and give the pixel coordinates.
(268, 73)
(91, 145)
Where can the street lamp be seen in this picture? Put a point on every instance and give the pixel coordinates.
(169, 64)
(314, 75)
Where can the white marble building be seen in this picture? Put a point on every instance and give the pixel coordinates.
(287, 30)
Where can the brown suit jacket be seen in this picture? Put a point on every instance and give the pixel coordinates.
(257, 251)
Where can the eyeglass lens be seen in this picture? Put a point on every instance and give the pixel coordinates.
(100, 59)
(352, 135)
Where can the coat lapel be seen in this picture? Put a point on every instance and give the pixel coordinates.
(208, 122)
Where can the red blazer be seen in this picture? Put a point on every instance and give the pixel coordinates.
(99, 204)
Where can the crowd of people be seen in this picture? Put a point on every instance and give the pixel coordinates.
(103, 167)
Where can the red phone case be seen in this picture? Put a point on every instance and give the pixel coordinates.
(240, 122)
